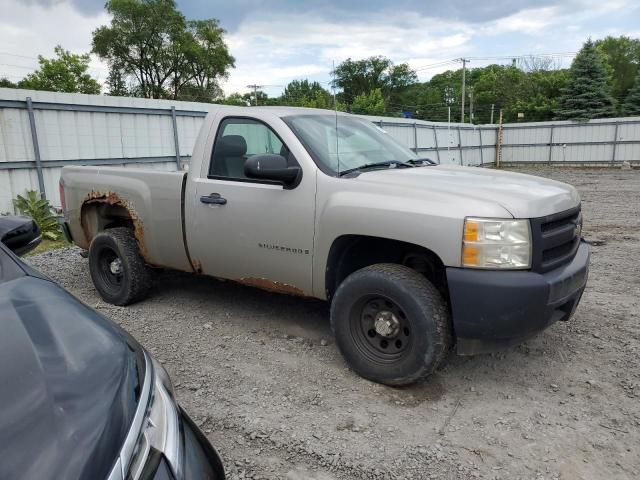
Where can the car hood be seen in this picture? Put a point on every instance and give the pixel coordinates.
(524, 196)
(69, 384)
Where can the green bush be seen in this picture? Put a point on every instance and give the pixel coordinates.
(40, 210)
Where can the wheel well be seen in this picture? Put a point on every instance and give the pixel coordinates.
(98, 216)
(353, 252)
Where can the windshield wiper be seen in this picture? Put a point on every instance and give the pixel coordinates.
(367, 166)
(421, 162)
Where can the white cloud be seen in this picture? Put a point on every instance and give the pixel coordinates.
(261, 45)
(30, 29)
(530, 21)
(273, 49)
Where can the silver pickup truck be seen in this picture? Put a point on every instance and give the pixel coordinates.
(414, 257)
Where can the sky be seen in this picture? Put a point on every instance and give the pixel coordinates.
(277, 41)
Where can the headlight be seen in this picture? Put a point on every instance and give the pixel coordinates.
(161, 427)
(496, 244)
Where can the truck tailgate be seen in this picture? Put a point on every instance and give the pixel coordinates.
(152, 199)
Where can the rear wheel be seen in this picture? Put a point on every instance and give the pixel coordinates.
(391, 324)
(117, 269)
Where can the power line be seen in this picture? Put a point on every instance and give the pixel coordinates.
(19, 56)
(530, 55)
(494, 57)
(18, 66)
(95, 71)
(436, 65)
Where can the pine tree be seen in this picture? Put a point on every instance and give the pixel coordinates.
(631, 105)
(588, 94)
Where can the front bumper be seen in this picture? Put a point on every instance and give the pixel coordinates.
(494, 309)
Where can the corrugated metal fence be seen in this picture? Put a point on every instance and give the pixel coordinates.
(595, 143)
(447, 144)
(42, 131)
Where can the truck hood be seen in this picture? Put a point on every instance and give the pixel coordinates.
(524, 196)
(69, 383)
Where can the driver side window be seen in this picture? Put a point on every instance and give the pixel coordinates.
(239, 139)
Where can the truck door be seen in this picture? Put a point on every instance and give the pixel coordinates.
(253, 231)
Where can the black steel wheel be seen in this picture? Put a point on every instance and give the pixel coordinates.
(380, 329)
(110, 270)
(391, 324)
(117, 268)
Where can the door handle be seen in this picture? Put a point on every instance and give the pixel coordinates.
(213, 198)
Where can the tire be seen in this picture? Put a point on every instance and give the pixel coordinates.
(391, 324)
(117, 268)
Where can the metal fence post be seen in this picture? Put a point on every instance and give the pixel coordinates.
(481, 153)
(615, 143)
(415, 137)
(435, 141)
(550, 143)
(460, 145)
(36, 147)
(176, 144)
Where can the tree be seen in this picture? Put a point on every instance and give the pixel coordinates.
(208, 58)
(537, 96)
(249, 99)
(117, 83)
(631, 106)
(588, 94)
(622, 57)
(236, 99)
(364, 76)
(302, 93)
(6, 83)
(371, 103)
(534, 92)
(159, 53)
(65, 73)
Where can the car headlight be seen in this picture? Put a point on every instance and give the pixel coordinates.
(496, 244)
(161, 427)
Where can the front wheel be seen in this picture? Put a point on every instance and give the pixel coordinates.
(117, 269)
(391, 324)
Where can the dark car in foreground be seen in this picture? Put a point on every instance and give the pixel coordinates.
(80, 398)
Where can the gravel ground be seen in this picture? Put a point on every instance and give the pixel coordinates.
(261, 375)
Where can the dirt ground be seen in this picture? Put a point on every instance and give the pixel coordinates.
(261, 375)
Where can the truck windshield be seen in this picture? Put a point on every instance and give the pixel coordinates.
(355, 143)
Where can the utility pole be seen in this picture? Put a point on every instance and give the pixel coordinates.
(464, 68)
(471, 104)
(448, 99)
(448, 131)
(255, 92)
(499, 138)
(492, 107)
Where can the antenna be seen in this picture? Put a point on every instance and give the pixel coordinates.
(335, 111)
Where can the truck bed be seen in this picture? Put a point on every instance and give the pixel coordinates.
(150, 200)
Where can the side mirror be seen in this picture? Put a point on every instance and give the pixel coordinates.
(271, 167)
(19, 234)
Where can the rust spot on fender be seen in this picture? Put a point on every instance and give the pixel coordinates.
(112, 198)
(271, 286)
